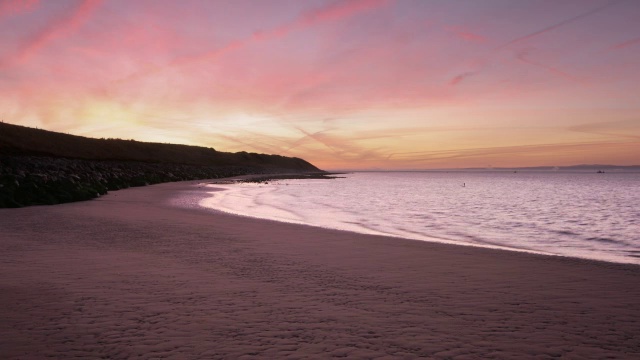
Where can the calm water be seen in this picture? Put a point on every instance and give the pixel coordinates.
(575, 214)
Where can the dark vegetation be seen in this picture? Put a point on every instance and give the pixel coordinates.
(39, 167)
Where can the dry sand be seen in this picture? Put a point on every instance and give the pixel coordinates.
(129, 276)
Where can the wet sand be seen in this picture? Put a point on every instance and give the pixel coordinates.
(130, 276)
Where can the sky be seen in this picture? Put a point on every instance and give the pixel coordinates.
(355, 84)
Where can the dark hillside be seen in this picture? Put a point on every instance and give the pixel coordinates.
(39, 167)
(20, 140)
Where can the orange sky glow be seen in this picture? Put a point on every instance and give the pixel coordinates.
(354, 84)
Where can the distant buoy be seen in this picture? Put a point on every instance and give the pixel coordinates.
(464, 185)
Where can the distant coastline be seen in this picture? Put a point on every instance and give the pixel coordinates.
(581, 168)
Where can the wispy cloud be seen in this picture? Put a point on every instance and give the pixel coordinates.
(467, 35)
(528, 150)
(626, 44)
(523, 56)
(15, 7)
(255, 144)
(559, 24)
(55, 30)
(332, 12)
(626, 129)
(459, 78)
(343, 84)
(320, 138)
(342, 147)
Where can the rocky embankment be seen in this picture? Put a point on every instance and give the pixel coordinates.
(32, 180)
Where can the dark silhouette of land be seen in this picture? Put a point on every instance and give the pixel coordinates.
(40, 167)
(20, 141)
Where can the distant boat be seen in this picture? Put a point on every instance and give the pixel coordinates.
(600, 172)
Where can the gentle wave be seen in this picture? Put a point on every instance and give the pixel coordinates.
(571, 214)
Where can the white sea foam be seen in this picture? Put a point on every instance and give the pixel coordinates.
(576, 214)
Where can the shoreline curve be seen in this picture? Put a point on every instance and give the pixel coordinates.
(130, 275)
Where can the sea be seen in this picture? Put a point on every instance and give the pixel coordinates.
(580, 214)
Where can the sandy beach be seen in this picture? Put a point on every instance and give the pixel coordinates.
(129, 275)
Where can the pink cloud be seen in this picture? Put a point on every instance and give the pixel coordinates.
(332, 12)
(64, 26)
(467, 35)
(289, 67)
(339, 10)
(626, 44)
(14, 7)
(458, 79)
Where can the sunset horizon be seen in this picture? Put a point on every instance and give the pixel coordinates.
(360, 84)
(550, 166)
(319, 179)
